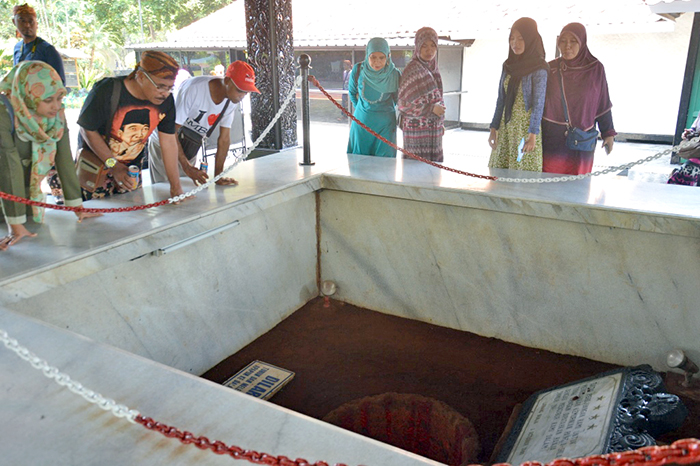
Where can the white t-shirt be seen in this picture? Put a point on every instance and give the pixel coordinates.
(195, 108)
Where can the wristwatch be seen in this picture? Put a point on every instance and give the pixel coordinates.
(110, 162)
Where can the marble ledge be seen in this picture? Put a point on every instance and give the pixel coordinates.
(277, 178)
(608, 202)
(76, 432)
(82, 249)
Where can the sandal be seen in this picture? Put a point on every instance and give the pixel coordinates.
(6, 242)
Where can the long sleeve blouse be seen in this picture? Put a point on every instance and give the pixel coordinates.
(534, 88)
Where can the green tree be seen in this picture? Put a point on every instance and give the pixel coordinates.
(102, 28)
(121, 17)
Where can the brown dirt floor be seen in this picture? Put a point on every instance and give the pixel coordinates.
(343, 352)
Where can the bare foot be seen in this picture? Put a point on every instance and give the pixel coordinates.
(17, 233)
(83, 215)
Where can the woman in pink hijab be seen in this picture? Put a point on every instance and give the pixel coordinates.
(585, 89)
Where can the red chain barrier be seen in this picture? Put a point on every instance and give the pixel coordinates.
(220, 448)
(413, 156)
(22, 200)
(686, 451)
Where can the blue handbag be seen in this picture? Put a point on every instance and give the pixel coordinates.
(578, 139)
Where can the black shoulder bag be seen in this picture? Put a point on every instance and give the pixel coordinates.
(191, 141)
(89, 167)
(576, 138)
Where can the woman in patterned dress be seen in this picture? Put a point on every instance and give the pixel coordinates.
(515, 129)
(421, 103)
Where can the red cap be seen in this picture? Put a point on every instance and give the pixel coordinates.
(242, 75)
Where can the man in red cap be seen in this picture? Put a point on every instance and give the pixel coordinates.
(200, 101)
(145, 96)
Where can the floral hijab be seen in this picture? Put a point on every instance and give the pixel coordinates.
(27, 84)
(386, 80)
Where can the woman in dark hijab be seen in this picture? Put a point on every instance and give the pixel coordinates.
(515, 128)
(587, 100)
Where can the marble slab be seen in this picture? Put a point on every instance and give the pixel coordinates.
(531, 254)
(47, 424)
(619, 295)
(192, 307)
(268, 180)
(620, 410)
(596, 268)
(606, 201)
(62, 240)
(555, 423)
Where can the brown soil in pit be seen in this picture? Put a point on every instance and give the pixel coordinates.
(342, 353)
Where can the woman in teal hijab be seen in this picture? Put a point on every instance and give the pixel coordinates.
(373, 90)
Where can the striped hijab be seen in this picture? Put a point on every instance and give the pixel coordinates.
(420, 77)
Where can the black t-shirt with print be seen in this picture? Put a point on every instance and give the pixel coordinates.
(134, 120)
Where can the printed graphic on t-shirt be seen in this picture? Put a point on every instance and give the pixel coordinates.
(131, 126)
(201, 124)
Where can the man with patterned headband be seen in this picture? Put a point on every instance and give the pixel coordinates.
(32, 47)
(118, 135)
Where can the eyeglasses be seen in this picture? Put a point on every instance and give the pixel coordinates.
(159, 87)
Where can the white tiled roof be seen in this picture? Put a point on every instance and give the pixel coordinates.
(353, 22)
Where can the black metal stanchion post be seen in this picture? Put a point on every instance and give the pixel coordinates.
(305, 62)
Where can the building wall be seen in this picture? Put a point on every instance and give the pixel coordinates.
(644, 71)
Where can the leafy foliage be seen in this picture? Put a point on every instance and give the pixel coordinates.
(102, 28)
(89, 76)
(122, 20)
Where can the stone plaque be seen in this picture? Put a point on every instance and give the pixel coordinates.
(615, 411)
(568, 422)
(260, 379)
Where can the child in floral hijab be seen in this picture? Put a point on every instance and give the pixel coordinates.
(35, 92)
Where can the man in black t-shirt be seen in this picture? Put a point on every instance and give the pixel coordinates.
(118, 136)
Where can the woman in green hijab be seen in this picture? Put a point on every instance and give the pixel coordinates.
(373, 90)
(33, 139)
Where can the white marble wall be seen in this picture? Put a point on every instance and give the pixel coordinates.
(191, 308)
(575, 284)
(46, 424)
(597, 268)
